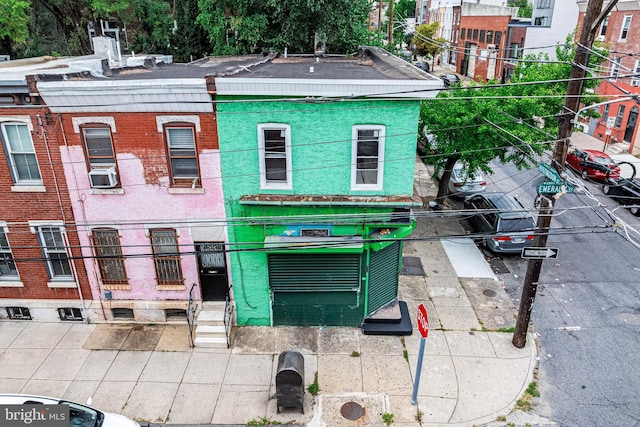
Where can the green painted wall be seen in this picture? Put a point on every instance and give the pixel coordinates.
(321, 154)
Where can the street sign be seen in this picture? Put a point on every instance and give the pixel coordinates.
(423, 321)
(548, 171)
(539, 253)
(555, 187)
(611, 121)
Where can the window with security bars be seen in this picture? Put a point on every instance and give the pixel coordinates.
(21, 154)
(368, 149)
(18, 313)
(70, 313)
(166, 257)
(106, 245)
(275, 155)
(183, 161)
(55, 252)
(8, 268)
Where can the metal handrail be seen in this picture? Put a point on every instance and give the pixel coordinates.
(191, 314)
(228, 318)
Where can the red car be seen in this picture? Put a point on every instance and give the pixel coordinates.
(592, 164)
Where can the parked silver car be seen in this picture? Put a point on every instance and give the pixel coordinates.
(505, 224)
(464, 183)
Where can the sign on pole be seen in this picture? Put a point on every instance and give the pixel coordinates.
(423, 327)
(548, 171)
(539, 253)
(549, 187)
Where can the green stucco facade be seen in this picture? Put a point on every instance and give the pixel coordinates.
(321, 153)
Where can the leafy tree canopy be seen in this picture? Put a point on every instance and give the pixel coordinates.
(252, 26)
(477, 124)
(14, 20)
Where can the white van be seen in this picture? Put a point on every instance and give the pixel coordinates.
(79, 415)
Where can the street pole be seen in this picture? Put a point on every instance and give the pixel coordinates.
(390, 39)
(571, 105)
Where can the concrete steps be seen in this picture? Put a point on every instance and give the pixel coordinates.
(618, 148)
(210, 330)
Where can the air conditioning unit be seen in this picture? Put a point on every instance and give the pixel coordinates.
(103, 177)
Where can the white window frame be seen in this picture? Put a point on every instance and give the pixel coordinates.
(354, 157)
(10, 154)
(603, 27)
(47, 251)
(274, 185)
(626, 26)
(635, 81)
(7, 251)
(615, 69)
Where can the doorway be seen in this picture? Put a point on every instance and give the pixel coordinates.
(631, 124)
(212, 266)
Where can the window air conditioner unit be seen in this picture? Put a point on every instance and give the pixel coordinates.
(103, 177)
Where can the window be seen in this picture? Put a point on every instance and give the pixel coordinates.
(605, 112)
(166, 257)
(482, 35)
(620, 116)
(98, 147)
(635, 81)
(274, 142)
(106, 244)
(624, 32)
(21, 154)
(615, 68)
(544, 4)
(498, 38)
(18, 313)
(368, 157)
(475, 34)
(489, 36)
(70, 313)
(172, 314)
(603, 27)
(462, 33)
(122, 313)
(515, 50)
(7, 265)
(469, 30)
(55, 252)
(183, 162)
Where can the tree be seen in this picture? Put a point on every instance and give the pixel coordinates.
(477, 124)
(189, 41)
(13, 23)
(525, 9)
(426, 42)
(252, 26)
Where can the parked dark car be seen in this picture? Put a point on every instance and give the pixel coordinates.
(503, 221)
(450, 79)
(592, 164)
(624, 191)
(424, 66)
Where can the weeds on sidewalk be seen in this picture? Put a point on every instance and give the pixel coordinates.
(314, 388)
(387, 418)
(524, 403)
(263, 421)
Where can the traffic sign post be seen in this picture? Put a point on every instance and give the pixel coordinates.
(549, 187)
(539, 253)
(423, 327)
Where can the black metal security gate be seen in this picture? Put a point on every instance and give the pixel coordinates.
(384, 267)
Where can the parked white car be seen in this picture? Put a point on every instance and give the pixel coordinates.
(79, 415)
(464, 183)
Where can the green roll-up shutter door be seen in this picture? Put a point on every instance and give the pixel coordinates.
(384, 268)
(314, 273)
(314, 290)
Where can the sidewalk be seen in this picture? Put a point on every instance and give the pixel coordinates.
(470, 374)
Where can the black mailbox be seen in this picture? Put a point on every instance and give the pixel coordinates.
(290, 380)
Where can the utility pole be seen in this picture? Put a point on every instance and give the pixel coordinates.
(571, 105)
(390, 38)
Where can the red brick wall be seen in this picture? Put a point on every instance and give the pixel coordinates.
(480, 23)
(18, 208)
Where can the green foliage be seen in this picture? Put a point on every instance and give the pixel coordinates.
(355, 354)
(387, 418)
(525, 9)
(252, 26)
(425, 39)
(478, 123)
(14, 19)
(263, 421)
(532, 389)
(314, 388)
(189, 41)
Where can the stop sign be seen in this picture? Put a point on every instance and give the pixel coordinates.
(423, 321)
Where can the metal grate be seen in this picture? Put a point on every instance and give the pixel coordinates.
(412, 266)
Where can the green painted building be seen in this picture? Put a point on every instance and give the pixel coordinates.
(317, 157)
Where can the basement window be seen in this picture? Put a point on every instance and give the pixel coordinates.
(122, 314)
(175, 314)
(70, 313)
(18, 313)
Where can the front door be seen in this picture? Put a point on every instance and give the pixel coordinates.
(631, 124)
(213, 271)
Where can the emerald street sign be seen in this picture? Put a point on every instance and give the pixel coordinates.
(548, 171)
(549, 187)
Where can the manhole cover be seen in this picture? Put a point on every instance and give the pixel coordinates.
(489, 293)
(351, 410)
